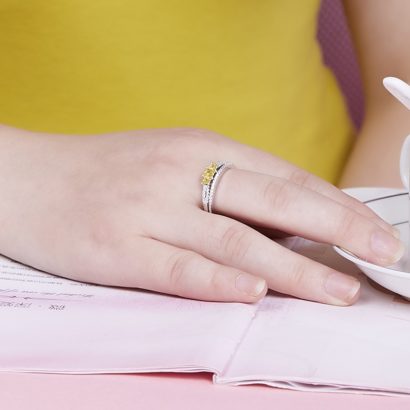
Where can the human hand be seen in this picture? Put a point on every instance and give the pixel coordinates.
(125, 210)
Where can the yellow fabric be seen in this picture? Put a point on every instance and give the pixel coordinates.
(251, 70)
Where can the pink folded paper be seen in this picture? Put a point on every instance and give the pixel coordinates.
(49, 324)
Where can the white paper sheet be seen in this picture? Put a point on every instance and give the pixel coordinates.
(55, 325)
(305, 345)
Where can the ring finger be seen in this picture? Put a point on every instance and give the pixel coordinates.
(277, 203)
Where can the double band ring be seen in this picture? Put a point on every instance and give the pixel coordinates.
(209, 181)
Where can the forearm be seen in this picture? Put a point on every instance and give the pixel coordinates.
(374, 160)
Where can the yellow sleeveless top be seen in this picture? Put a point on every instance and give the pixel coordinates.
(251, 70)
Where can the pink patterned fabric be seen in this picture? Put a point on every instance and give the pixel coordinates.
(338, 53)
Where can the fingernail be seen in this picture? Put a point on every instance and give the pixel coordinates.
(387, 248)
(250, 284)
(396, 233)
(342, 287)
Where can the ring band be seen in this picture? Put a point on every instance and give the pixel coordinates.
(209, 181)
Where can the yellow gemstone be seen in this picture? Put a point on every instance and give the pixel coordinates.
(209, 174)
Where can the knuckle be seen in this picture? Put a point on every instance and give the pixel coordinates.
(235, 243)
(161, 158)
(214, 280)
(300, 177)
(346, 226)
(167, 154)
(209, 140)
(182, 135)
(299, 278)
(102, 234)
(178, 267)
(197, 132)
(276, 195)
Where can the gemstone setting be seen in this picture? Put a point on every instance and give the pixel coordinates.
(209, 173)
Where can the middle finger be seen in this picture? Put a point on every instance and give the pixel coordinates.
(234, 244)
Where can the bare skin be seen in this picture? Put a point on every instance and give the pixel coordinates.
(124, 209)
(381, 34)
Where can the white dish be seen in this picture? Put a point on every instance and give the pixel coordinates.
(395, 210)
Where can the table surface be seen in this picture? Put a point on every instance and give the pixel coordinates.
(168, 391)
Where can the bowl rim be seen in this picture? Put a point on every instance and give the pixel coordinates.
(361, 262)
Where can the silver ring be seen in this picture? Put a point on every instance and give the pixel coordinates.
(210, 178)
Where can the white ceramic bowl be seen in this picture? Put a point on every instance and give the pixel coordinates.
(395, 210)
